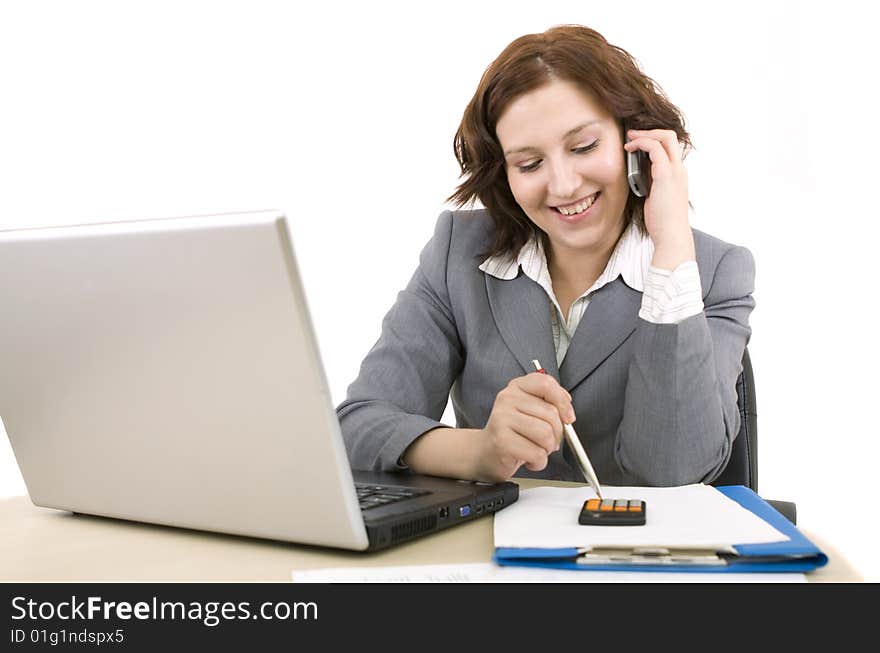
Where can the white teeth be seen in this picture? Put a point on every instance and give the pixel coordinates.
(579, 208)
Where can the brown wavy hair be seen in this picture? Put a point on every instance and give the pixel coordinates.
(572, 53)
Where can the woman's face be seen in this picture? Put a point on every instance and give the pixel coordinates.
(561, 149)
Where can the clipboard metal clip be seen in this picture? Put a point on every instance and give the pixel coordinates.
(649, 556)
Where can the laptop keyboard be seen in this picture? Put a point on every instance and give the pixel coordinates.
(371, 496)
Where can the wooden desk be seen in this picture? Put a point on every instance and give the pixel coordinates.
(40, 544)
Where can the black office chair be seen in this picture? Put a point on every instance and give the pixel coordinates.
(742, 468)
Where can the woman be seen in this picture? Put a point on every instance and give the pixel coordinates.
(639, 321)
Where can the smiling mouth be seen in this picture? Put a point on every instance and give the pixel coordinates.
(580, 207)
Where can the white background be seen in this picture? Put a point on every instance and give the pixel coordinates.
(342, 115)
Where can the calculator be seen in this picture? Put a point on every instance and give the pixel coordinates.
(613, 512)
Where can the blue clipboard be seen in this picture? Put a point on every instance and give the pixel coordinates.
(797, 554)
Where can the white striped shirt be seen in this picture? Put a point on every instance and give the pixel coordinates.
(667, 297)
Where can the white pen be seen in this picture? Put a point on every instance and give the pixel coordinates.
(575, 443)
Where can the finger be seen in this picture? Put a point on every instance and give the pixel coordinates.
(667, 137)
(660, 164)
(536, 408)
(547, 388)
(513, 445)
(536, 467)
(535, 429)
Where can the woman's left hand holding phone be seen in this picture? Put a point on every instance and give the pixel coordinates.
(666, 207)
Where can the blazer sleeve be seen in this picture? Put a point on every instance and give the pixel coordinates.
(680, 413)
(403, 384)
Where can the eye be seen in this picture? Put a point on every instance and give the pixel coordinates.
(530, 167)
(577, 150)
(586, 148)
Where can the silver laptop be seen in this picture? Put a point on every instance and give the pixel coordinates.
(166, 371)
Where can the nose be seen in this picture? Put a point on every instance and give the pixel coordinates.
(564, 179)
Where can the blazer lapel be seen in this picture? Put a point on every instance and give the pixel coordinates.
(610, 318)
(521, 310)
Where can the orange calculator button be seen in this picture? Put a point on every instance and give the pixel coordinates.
(593, 504)
(606, 506)
(635, 506)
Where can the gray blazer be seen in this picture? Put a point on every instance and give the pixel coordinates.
(655, 403)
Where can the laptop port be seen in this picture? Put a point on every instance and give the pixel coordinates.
(479, 509)
(464, 511)
(444, 512)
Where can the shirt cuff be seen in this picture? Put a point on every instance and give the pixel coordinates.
(671, 297)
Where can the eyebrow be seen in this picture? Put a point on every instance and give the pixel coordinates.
(570, 132)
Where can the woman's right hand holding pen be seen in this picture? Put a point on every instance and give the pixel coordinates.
(524, 427)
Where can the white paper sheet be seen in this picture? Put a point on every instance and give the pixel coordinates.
(697, 516)
(491, 573)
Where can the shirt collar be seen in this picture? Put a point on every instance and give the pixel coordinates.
(630, 260)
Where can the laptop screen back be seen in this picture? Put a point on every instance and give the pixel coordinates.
(166, 371)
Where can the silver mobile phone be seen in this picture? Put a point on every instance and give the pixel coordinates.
(638, 171)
